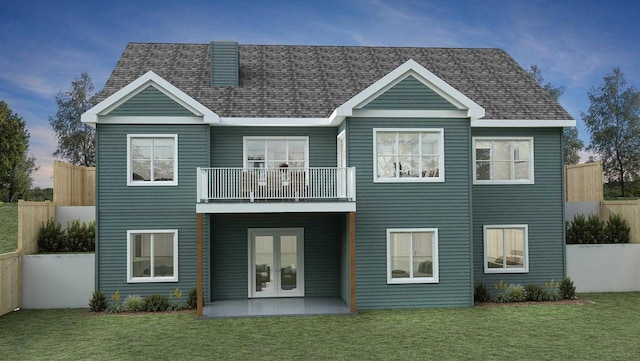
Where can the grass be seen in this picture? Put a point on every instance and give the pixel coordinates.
(8, 227)
(606, 330)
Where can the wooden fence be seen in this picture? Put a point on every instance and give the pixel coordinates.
(583, 182)
(31, 217)
(10, 282)
(627, 210)
(73, 185)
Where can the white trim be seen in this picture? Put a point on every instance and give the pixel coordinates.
(266, 138)
(410, 67)
(276, 233)
(525, 256)
(274, 122)
(276, 207)
(384, 113)
(131, 278)
(434, 257)
(439, 179)
(523, 123)
(150, 78)
(502, 182)
(131, 182)
(150, 120)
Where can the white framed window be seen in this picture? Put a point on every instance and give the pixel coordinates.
(503, 160)
(408, 155)
(412, 255)
(506, 249)
(275, 152)
(152, 256)
(152, 159)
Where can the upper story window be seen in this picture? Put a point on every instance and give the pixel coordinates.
(506, 249)
(408, 155)
(276, 152)
(412, 255)
(152, 159)
(502, 160)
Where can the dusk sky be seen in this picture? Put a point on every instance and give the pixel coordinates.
(45, 45)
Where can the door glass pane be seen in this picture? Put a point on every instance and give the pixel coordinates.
(264, 263)
(296, 151)
(163, 254)
(400, 255)
(514, 241)
(141, 255)
(422, 254)
(495, 251)
(288, 262)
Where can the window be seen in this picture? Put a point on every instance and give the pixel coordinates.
(505, 249)
(152, 256)
(274, 152)
(503, 161)
(408, 155)
(412, 255)
(152, 159)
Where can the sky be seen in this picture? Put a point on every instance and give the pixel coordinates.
(46, 44)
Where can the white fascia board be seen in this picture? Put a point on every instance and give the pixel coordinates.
(276, 207)
(150, 78)
(150, 120)
(383, 113)
(522, 123)
(274, 122)
(410, 67)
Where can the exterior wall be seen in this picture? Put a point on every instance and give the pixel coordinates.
(446, 206)
(410, 94)
(345, 284)
(151, 102)
(604, 267)
(227, 143)
(121, 208)
(57, 280)
(538, 205)
(66, 214)
(229, 252)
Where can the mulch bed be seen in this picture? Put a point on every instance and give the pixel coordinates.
(89, 313)
(575, 301)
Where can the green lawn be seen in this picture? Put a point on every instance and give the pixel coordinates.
(8, 227)
(606, 330)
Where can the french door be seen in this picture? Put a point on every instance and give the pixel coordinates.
(276, 262)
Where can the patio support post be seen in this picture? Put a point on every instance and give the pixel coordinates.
(199, 287)
(352, 261)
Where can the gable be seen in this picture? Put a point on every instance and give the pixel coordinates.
(410, 94)
(150, 102)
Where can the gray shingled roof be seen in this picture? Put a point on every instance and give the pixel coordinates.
(312, 81)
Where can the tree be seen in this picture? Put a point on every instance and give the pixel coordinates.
(571, 143)
(16, 164)
(613, 120)
(76, 141)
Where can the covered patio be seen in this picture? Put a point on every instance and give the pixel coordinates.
(265, 307)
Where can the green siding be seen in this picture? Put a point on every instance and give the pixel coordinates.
(227, 143)
(229, 252)
(538, 205)
(121, 208)
(150, 102)
(224, 63)
(445, 206)
(409, 94)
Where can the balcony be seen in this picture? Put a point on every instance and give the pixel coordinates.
(229, 190)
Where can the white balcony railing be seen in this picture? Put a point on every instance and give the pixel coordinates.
(327, 183)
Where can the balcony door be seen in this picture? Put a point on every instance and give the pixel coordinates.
(276, 262)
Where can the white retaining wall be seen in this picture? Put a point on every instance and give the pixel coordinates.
(604, 267)
(66, 214)
(57, 280)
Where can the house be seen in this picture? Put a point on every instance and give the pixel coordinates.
(383, 177)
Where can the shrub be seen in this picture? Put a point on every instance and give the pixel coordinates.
(80, 237)
(551, 291)
(192, 299)
(501, 295)
(115, 308)
(133, 303)
(156, 303)
(577, 230)
(481, 293)
(567, 289)
(616, 230)
(98, 302)
(515, 293)
(51, 238)
(534, 293)
(595, 230)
